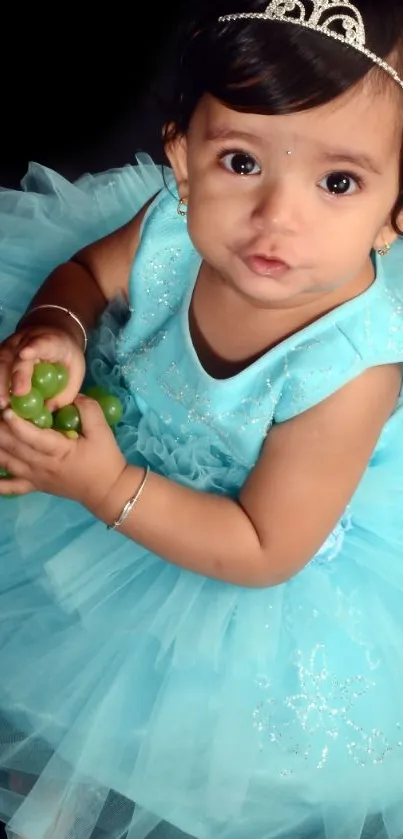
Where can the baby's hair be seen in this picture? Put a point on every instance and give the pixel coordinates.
(273, 68)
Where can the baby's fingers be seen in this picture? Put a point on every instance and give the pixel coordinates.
(27, 440)
(20, 376)
(42, 348)
(15, 487)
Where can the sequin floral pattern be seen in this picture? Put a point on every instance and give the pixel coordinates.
(321, 714)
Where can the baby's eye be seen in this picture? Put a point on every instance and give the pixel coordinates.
(240, 163)
(340, 183)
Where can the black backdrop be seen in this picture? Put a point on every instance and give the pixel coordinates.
(78, 95)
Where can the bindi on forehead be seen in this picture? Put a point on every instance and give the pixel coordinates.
(357, 127)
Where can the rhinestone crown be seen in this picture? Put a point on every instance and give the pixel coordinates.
(341, 21)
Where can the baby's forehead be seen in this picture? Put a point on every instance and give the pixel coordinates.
(366, 117)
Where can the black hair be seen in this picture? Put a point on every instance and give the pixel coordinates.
(277, 68)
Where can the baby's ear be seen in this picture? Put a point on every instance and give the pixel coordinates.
(387, 236)
(176, 152)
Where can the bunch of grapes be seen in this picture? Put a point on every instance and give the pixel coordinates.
(48, 380)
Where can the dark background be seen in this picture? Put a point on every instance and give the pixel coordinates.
(83, 96)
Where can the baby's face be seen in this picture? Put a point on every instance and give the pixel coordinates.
(288, 208)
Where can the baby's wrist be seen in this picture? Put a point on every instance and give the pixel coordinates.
(53, 320)
(121, 492)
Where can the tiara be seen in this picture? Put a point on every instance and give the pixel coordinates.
(345, 17)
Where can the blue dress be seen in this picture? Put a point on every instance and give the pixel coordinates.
(141, 700)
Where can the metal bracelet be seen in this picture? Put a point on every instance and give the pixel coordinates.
(66, 311)
(130, 503)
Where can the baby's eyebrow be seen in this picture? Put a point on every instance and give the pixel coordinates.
(218, 132)
(356, 158)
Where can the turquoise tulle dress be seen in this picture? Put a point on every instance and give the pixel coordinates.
(141, 700)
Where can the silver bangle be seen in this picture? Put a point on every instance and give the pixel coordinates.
(66, 312)
(130, 503)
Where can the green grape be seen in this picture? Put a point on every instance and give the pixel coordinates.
(67, 419)
(112, 408)
(49, 379)
(44, 419)
(29, 405)
(44, 379)
(62, 377)
(96, 392)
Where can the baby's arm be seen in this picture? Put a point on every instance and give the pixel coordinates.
(308, 471)
(83, 286)
(88, 281)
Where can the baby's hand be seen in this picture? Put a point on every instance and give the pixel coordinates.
(46, 461)
(21, 351)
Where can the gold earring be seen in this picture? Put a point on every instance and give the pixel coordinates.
(384, 250)
(182, 207)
